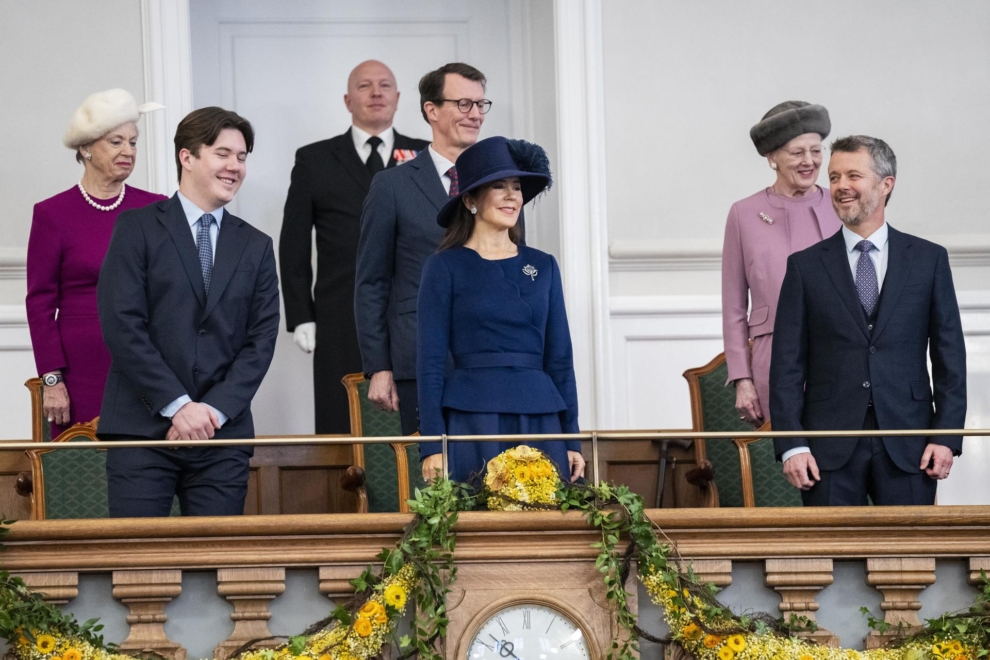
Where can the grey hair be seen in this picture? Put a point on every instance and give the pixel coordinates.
(883, 162)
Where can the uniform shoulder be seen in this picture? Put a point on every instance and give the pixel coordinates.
(322, 146)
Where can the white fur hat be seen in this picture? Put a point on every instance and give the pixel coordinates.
(100, 113)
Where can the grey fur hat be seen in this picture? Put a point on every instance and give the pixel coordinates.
(786, 121)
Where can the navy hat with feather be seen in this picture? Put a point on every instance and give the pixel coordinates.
(497, 158)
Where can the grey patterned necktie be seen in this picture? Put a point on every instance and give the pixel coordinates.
(205, 246)
(866, 278)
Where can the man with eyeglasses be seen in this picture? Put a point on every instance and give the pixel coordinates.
(399, 231)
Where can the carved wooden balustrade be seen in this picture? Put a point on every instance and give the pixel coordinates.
(250, 555)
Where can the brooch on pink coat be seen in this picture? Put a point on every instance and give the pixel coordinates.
(766, 218)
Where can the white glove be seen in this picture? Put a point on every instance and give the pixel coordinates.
(305, 337)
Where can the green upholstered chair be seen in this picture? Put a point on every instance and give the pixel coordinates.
(746, 472)
(392, 470)
(40, 429)
(71, 484)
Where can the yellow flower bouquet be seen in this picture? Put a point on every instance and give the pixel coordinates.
(519, 477)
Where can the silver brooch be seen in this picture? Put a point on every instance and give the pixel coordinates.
(532, 272)
(766, 218)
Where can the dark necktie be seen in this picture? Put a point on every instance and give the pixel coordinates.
(866, 278)
(374, 162)
(205, 246)
(455, 190)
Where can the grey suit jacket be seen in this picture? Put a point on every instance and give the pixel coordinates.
(399, 231)
(167, 337)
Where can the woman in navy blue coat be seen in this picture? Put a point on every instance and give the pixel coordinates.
(494, 349)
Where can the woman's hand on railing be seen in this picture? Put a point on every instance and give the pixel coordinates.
(432, 467)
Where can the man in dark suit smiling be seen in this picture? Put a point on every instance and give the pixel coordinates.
(329, 183)
(188, 302)
(858, 317)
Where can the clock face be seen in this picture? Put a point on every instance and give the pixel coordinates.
(528, 632)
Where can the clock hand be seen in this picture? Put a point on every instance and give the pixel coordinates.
(504, 648)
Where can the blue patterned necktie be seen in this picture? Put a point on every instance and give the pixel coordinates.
(205, 246)
(866, 278)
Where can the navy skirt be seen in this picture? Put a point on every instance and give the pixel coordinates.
(467, 460)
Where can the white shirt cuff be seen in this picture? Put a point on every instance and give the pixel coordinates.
(172, 408)
(220, 416)
(794, 452)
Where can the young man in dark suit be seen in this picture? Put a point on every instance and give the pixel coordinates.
(399, 231)
(188, 302)
(858, 317)
(329, 183)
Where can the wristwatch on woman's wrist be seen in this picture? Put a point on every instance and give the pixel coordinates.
(52, 379)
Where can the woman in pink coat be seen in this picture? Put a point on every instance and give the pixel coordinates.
(70, 233)
(762, 230)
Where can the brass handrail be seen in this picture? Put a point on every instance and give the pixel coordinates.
(594, 436)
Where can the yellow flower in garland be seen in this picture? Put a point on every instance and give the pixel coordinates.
(523, 473)
(737, 643)
(45, 644)
(806, 657)
(325, 656)
(711, 641)
(692, 632)
(395, 596)
(72, 654)
(371, 609)
(362, 626)
(725, 653)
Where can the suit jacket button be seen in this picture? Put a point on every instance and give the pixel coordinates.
(196, 371)
(873, 349)
(201, 333)
(870, 327)
(866, 384)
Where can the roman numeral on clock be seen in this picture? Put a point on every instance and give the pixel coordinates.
(526, 620)
(505, 628)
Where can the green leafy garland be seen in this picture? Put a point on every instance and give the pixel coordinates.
(698, 622)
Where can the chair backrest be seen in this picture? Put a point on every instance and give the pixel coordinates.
(391, 471)
(746, 471)
(41, 430)
(72, 484)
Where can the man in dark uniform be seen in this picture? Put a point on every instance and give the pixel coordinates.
(329, 183)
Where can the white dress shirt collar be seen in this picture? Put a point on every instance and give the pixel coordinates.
(878, 238)
(194, 213)
(360, 137)
(442, 165)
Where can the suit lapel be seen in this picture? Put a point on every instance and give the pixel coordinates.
(424, 174)
(898, 260)
(174, 219)
(347, 156)
(836, 262)
(231, 241)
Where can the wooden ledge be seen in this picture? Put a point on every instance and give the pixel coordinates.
(355, 539)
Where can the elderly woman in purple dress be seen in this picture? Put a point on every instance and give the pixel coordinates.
(70, 233)
(761, 232)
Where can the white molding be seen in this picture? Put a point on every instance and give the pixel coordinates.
(651, 255)
(13, 263)
(584, 228)
(167, 80)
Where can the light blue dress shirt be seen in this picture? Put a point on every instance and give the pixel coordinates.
(193, 214)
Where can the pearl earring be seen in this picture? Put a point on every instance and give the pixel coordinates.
(773, 166)
(89, 156)
(474, 210)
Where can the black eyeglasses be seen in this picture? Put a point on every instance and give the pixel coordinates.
(464, 105)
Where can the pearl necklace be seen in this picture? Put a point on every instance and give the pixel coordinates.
(100, 207)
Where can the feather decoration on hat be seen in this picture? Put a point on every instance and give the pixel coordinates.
(530, 158)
